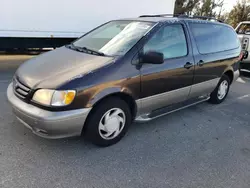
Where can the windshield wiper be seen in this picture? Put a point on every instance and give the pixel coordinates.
(73, 47)
(92, 51)
(85, 49)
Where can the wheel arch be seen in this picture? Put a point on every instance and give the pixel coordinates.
(230, 74)
(123, 94)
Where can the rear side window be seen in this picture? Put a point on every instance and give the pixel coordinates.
(211, 38)
(169, 40)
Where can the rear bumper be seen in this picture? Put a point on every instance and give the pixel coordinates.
(236, 75)
(45, 123)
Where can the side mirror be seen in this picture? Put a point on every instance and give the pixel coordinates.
(152, 57)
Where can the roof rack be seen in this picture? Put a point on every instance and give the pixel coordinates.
(184, 16)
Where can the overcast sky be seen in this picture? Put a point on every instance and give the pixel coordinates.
(228, 4)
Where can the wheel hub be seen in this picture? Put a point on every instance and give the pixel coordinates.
(112, 124)
(222, 91)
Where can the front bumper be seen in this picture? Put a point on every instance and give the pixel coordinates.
(45, 123)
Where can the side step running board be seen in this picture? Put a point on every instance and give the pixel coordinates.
(167, 110)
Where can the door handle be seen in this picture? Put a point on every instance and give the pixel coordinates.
(200, 63)
(188, 65)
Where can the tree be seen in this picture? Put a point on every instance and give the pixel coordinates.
(239, 13)
(199, 7)
(209, 8)
(185, 6)
(224, 17)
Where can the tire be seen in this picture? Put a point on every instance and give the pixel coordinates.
(215, 97)
(97, 133)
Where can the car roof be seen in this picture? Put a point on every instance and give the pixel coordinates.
(153, 19)
(158, 19)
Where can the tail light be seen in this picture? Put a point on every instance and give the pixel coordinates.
(241, 56)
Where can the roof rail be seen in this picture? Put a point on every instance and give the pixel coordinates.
(184, 16)
(159, 15)
(206, 18)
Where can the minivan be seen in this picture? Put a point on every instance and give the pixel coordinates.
(125, 70)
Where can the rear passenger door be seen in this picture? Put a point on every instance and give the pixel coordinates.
(170, 82)
(215, 47)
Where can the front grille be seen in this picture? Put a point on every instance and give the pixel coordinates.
(20, 89)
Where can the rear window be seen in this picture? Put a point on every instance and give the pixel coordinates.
(243, 29)
(211, 38)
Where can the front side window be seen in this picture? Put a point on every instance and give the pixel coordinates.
(114, 38)
(211, 38)
(169, 40)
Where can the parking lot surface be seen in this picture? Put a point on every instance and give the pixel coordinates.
(204, 146)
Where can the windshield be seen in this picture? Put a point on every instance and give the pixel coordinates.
(243, 29)
(114, 38)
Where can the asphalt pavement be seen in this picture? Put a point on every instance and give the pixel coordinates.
(204, 146)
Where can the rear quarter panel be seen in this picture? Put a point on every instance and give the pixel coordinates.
(215, 64)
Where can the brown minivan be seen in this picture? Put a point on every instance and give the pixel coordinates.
(125, 70)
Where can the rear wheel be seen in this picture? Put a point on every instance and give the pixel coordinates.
(108, 122)
(220, 92)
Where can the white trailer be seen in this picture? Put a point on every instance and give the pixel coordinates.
(53, 23)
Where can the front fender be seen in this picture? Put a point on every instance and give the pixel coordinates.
(108, 92)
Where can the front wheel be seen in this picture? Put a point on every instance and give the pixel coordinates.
(220, 92)
(108, 122)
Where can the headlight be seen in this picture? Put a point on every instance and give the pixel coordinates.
(62, 98)
(54, 98)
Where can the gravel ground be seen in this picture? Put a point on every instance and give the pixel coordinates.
(204, 146)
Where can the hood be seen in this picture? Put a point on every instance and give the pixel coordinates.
(56, 67)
